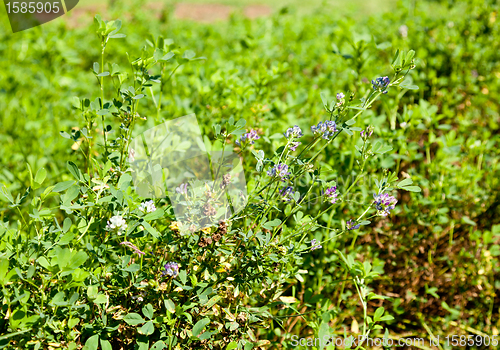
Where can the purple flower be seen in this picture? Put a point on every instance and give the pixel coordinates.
(280, 171)
(365, 134)
(133, 247)
(340, 96)
(294, 145)
(182, 189)
(171, 269)
(287, 193)
(249, 137)
(331, 194)
(381, 84)
(315, 245)
(326, 129)
(351, 225)
(294, 132)
(384, 203)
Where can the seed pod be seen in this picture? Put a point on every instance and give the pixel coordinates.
(204, 241)
(222, 229)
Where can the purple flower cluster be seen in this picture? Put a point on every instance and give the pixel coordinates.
(340, 96)
(384, 203)
(331, 194)
(351, 225)
(280, 171)
(365, 134)
(171, 269)
(294, 132)
(326, 129)
(287, 193)
(315, 245)
(294, 145)
(133, 247)
(249, 137)
(381, 84)
(182, 189)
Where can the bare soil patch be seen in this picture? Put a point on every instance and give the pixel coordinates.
(203, 12)
(255, 11)
(83, 15)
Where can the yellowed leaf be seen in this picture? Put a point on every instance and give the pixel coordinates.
(288, 300)
(354, 326)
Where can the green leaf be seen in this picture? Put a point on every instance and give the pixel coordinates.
(159, 345)
(412, 188)
(148, 328)
(133, 319)
(158, 213)
(106, 345)
(324, 330)
(6, 193)
(200, 325)
(40, 176)
(151, 230)
(4, 268)
(167, 56)
(213, 301)
(409, 87)
(62, 186)
(92, 291)
(148, 311)
(372, 296)
(232, 345)
(467, 220)
(409, 56)
(270, 224)
(73, 169)
(383, 149)
(206, 335)
(324, 99)
(66, 224)
(405, 182)
(182, 276)
(170, 306)
(133, 268)
(101, 299)
(395, 57)
(75, 103)
(386, 318)
(378, 313)
(77, 259)
(188, 54)
(92, 343)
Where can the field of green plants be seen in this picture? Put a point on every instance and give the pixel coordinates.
(369, 147)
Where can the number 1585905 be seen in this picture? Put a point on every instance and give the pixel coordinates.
(32, 7)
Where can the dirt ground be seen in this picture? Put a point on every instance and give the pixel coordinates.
(83, 14)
